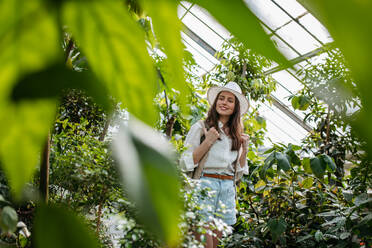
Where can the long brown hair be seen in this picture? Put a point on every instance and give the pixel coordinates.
(233, 123)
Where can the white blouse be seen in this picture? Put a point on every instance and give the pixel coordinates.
(220, 157)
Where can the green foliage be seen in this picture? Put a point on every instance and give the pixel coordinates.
(57, 220)
(298, 208)
(245, 67)
(82, 172)
(277, 227)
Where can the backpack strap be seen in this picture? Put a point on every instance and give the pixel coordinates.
(199, 169)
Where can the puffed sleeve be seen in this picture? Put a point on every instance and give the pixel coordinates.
(240, 171)
(192, 141)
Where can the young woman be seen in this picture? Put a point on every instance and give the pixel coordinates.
(225, 146)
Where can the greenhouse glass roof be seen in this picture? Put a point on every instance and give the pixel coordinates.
(297, 34)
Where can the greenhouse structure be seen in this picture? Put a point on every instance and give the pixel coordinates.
(132, 123)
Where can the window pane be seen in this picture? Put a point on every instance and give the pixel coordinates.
(268, 13)
(210, 21)
(316, 28)
(284, 49)
(288, 81)
(203, 31)
(298, 38)
(292, 7)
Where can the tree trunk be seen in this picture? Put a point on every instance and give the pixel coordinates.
(103, 134)
(44, 171)
(169, 126)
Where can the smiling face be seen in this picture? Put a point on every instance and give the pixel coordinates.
(225, 103)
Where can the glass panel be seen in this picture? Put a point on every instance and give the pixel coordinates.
(270, 14)
(288, 81)
(180, 11)
(282, 94)
(202, 51)
(292, 7)
(210, 21)
(316, 28)
(284, 49)
(298, 38)
(280, 127)
(199, 54)
(186, 4)
(203, 31)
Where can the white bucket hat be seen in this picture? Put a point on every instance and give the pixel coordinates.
(233, 88)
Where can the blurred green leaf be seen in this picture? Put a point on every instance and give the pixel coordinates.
(115, 47)
(29, 35)
(59, 228)
(300, 102)
(317, 167)
(277, 227)
(50, 83)
(149, 173)
(8, 219)
(233, 14)
(330, 165)
(25, 131)
(282, 161)
(167, 28)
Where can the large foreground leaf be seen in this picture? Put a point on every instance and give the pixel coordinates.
(52, 81)
(115, 47)
(59, 228)
(167, 27)
(243, 24)
(29, 38)
(24, 132)
(149, 174)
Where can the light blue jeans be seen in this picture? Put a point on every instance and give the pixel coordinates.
(217, 199)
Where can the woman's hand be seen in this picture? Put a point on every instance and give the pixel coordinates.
(245, 140)
(211, 135)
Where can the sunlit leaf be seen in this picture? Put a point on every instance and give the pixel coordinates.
(306, 164)
(59, 228)
(149, 174)
(259, 185)
(114, 45)
(233, 14)
(29, 36)
(307, 183)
